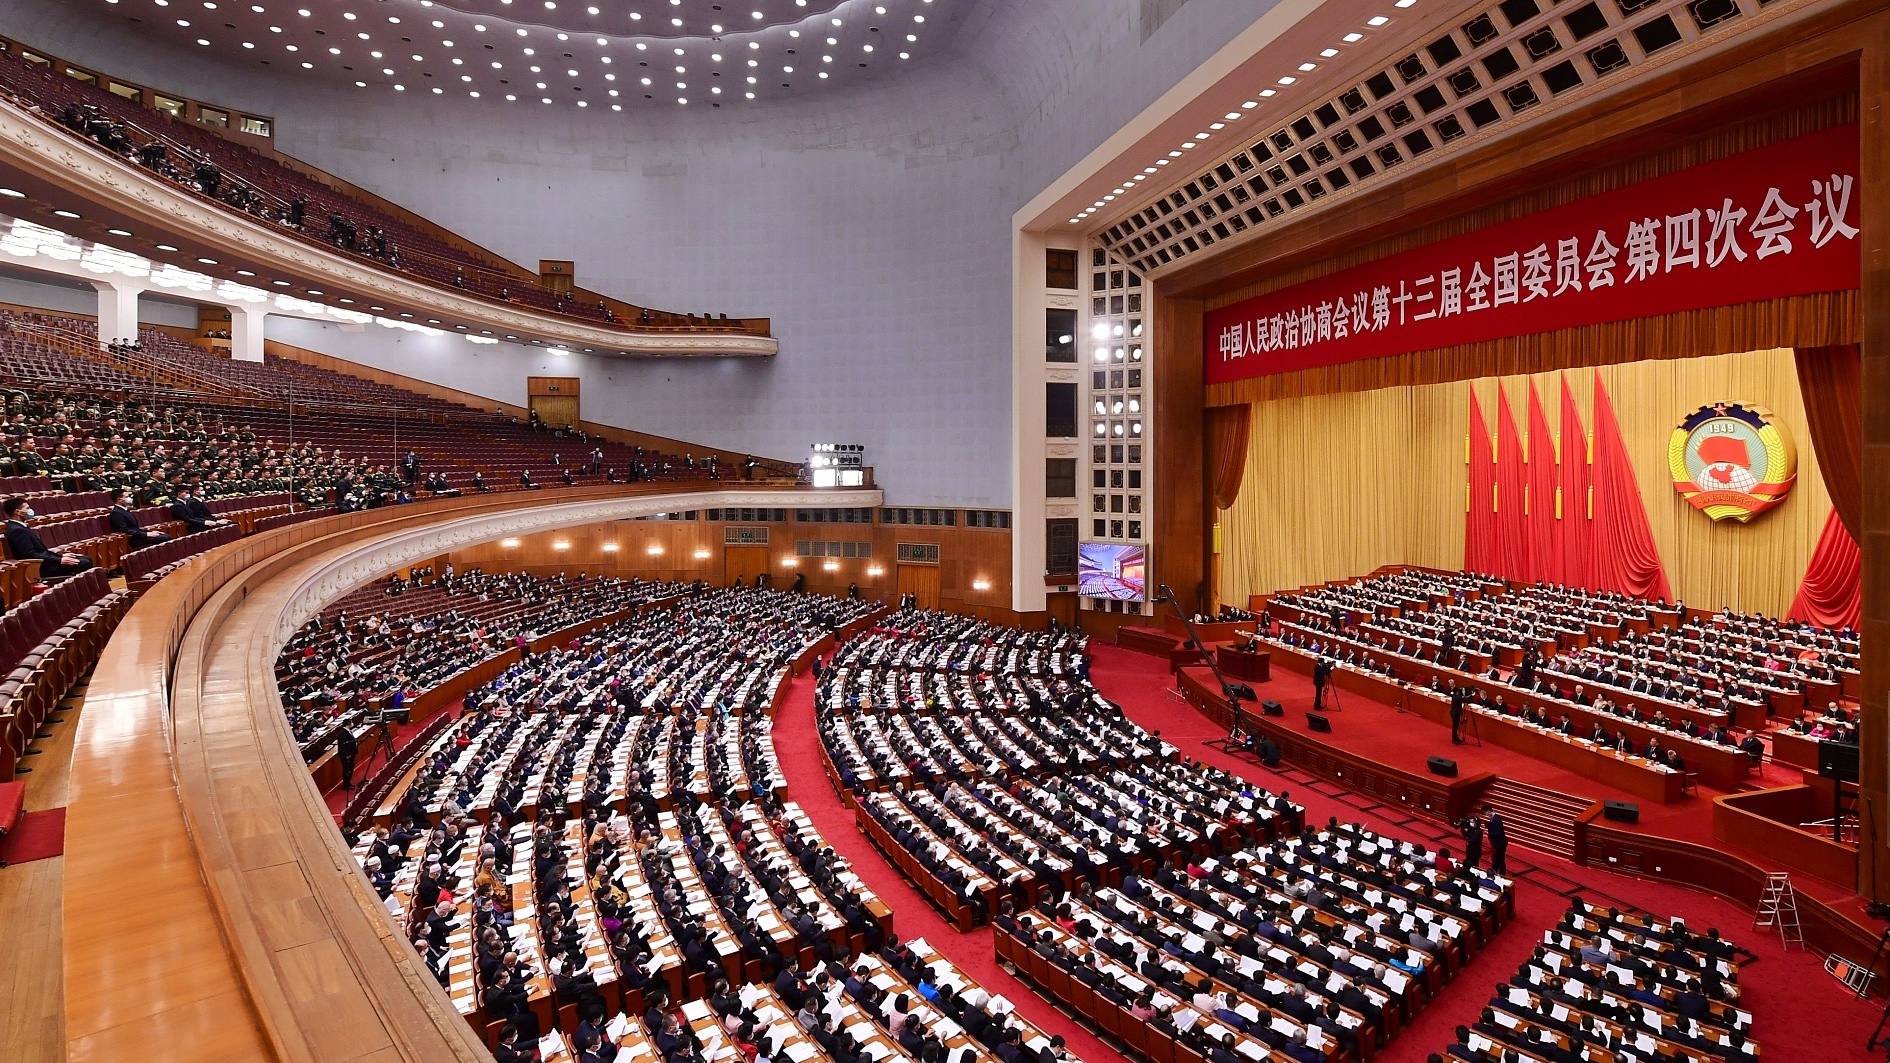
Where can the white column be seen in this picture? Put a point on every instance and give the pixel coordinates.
(246, 333)
(117, 311)
(1028, 376)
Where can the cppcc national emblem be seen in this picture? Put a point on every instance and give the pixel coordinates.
(1732, 460)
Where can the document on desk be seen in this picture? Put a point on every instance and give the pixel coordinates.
(802, 1051)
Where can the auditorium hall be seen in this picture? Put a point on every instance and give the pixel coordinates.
(945, 531)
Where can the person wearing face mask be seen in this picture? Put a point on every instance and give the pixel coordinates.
(25, 544)
(125, 523)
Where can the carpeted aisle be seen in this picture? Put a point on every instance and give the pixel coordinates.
(42, 835)
(1799, 1011)
(337, 799)
(797, 744)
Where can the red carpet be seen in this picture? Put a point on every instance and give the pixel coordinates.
(1404, 740)
(1799, 1012)
(42, 834)
(797, 744)
(337, 799)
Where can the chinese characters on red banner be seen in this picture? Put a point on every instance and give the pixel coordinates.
(1777, 221)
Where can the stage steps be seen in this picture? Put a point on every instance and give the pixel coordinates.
(1539, 818)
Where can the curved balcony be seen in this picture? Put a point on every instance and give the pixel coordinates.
(211, 908)
(70, 183)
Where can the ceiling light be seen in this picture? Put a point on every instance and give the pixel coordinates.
(1328, 53)
(12, 193)
(251, 273)
(118, 232)
(1353, 38)
(1376, 20)
(207, 261)
(1404, 3)
(1306, 67)
(64, 214)
(1268, 92)
(1288, 80)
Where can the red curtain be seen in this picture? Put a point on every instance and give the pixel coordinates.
(1572, 530)
(1831, 381)
(1512, 478)
(1622, 555)
(1831, 594)
(1479, 524)
(1544, 562)
(1227, 450)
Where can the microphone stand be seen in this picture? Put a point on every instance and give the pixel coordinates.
(1237, 733)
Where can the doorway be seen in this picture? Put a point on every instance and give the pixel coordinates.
(920, 581)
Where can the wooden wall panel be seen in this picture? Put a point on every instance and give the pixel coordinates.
(693, 549)
(1874, 190)
(1179, 546)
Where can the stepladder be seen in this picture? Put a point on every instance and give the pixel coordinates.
(1778, 907)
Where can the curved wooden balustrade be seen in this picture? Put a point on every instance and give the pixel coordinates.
(211, 910)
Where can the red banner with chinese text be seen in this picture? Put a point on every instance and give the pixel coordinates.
(1777, 221)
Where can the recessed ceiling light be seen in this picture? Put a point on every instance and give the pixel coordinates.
(1306, 67)
(207, 261)
(12, 193)
(280, 284)
(119, 232)
(165, 247)
(314, 291)
(345, 299)
(1353, 38)
(1328, 53)
(245, 273)
(1376, 20)
(64, 214)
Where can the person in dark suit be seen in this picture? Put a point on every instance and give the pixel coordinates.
(24, 544)
(346, 749)
(1322, 671)
(1458, 697)
(1499, 843)
(125, 523)
(1472, 842)
(195, 515)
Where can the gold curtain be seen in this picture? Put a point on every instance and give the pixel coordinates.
(1227, 451)
(1337, 485)
(1340, 484)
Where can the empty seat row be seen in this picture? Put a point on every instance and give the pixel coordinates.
(46, 644)
(145, 567)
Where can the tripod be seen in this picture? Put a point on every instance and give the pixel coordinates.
(1332, 702)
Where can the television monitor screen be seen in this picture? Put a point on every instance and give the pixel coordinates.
(1105, 570)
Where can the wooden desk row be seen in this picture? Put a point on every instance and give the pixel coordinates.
(1720, 766)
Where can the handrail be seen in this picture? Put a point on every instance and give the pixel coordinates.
(211, 909)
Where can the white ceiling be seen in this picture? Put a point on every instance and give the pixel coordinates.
(589, 54)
